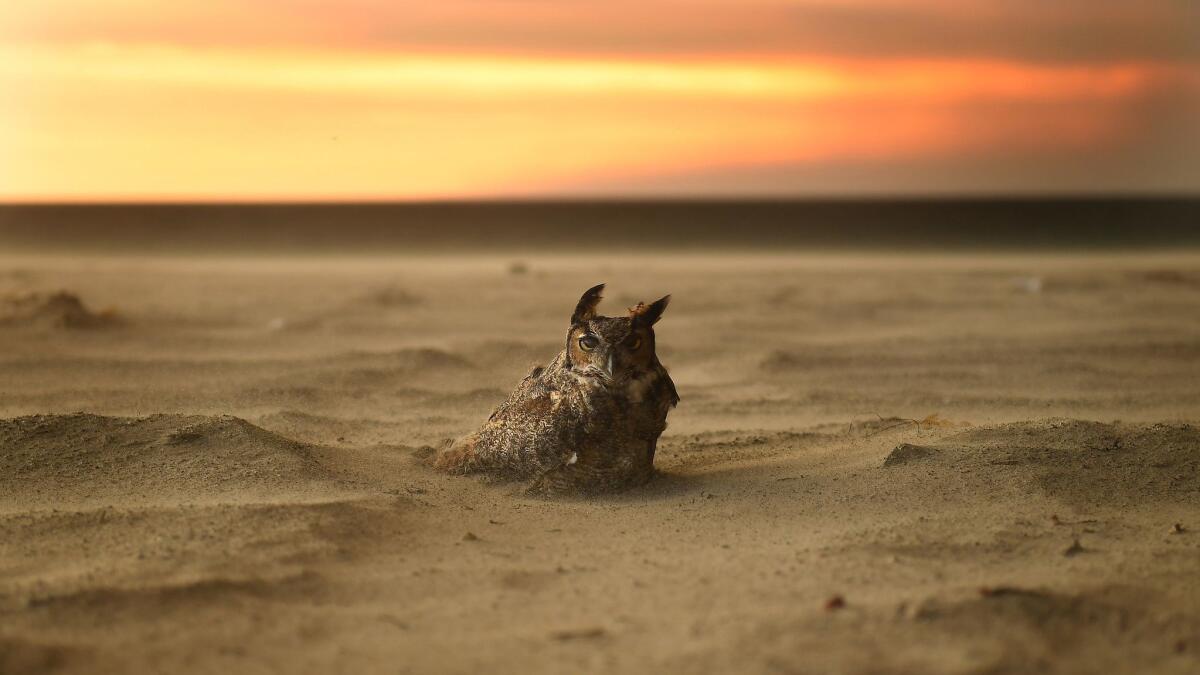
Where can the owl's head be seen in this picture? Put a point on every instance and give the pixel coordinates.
(612, 348)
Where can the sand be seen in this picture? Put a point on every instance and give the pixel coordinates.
(923, 464)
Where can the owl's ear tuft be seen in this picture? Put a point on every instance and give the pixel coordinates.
(648, 315)
(586, 309)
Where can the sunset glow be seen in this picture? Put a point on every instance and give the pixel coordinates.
(181, 111)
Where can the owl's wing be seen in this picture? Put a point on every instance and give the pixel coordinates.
(536, 429)
(666, 385)
(527, 389)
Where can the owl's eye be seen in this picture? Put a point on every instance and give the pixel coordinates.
(588, 342)
(635, 343)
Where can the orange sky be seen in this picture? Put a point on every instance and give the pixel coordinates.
(374, 99)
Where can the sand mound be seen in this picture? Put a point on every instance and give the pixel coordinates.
(696, 452)
(392, 296)
(1174, 277)
(27, 656)
(993, 630)
(515, 352)
(81, 459)
(333, 431)
(395, 368)
(1022, 630)
(52, 310)
(907, 452)
(1078, 462)
(421, 359)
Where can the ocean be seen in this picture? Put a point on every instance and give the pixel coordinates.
(1110, 223)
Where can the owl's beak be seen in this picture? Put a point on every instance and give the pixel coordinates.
(602, 366)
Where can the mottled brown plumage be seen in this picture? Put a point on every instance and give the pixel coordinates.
(588, 421)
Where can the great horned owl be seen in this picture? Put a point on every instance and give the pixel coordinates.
(587, 422)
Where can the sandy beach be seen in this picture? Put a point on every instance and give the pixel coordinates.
(967, 463)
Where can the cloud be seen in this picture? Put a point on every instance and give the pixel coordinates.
(1025, 173)
(1081, 31)
(459, 98)
(1147, 143)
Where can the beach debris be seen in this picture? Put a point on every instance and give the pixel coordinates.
(835, 603)
(1170, 276)
(60, 309)
(184, 436)
(1059, 521)
(936, 421)
(785, 295)
(1004, 591)
(884, 424)
(1028, 284)
(1074, 549)
(394, 620)
(578, 634)
(393, 296)
(1178, 528)
(470, 536)
(282, 323)
(907, 452)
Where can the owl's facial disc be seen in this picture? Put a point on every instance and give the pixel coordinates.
(610, 349)
(613, 348)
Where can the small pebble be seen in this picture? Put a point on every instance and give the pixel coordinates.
(1074, 549)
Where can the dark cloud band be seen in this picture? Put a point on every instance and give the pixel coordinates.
(1061, 31)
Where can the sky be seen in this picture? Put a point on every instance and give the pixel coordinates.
(307, 100)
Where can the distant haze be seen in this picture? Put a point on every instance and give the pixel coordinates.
(372, 99)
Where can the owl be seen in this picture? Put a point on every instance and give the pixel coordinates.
(589, 420)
